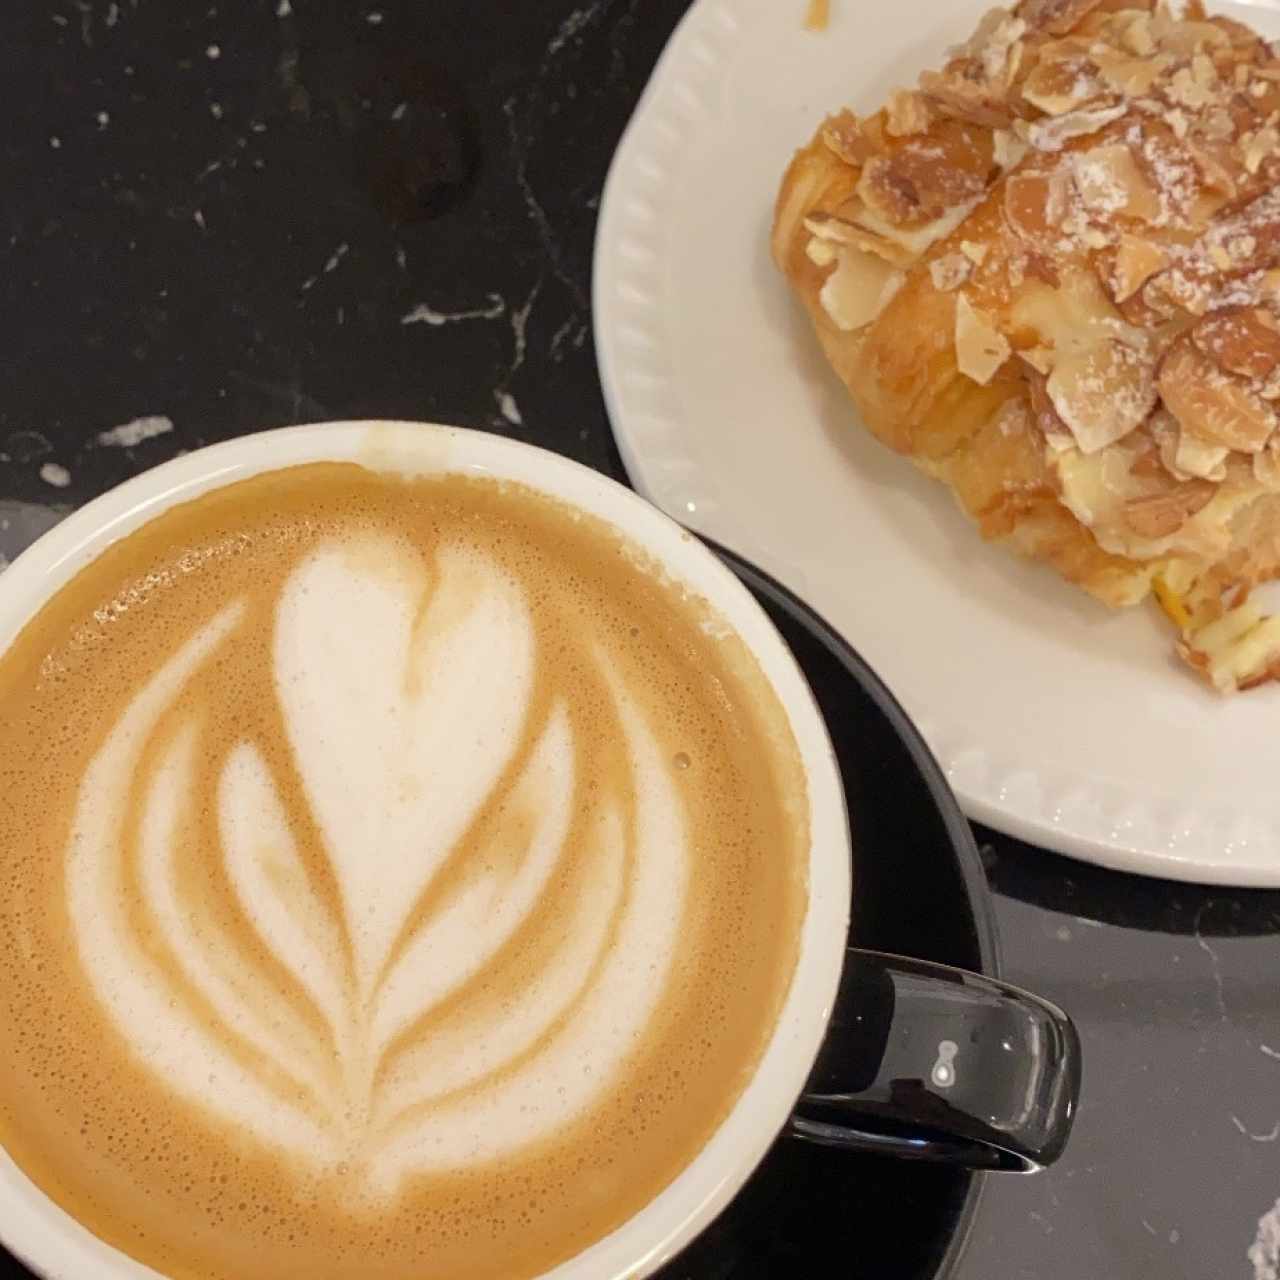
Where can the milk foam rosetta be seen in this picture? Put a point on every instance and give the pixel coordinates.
(396, 876)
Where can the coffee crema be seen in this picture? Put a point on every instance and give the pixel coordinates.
(401, 877)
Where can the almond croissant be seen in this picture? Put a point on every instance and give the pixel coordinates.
(1050, 275)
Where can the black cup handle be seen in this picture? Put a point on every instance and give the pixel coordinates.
(934, 1063)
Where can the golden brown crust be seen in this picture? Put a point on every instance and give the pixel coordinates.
(1051, 276)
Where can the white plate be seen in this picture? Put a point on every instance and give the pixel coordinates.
(1055, 720)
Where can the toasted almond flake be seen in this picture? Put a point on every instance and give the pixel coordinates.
(1160, 515)
(1218, 125)
(1187, 37)
(1052, 134)
(980, 347)
(1110, 182)
(822, 253)
(964, 99)
(1056, 17)
(1216, 163)
(844, 136)
(1008, 149)
(1215, 407)
(1133, 77)
(1192, 457)
(1039, 358)
(904, 245)
(1136, 261)
(859, 289)
(1256, 147)
(907, 113)
(1136, 37)
(1001, 52)
(1059, 87)
(1035, 204)
(950, 271)
(1177, 121)
(830, 227)
(1102, 392)
(1241, 340)
(1188, 91)
(1266, 466)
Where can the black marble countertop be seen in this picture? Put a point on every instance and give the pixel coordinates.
(229, 214)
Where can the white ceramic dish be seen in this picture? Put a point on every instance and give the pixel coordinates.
(1055, 720)
(57, 1247)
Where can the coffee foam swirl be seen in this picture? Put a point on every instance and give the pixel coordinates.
(396, 877)
(406, 695)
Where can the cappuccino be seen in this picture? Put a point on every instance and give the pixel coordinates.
(400, 877)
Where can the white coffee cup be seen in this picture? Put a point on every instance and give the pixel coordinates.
(54, 1245)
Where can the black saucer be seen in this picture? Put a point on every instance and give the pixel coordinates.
(919, 889)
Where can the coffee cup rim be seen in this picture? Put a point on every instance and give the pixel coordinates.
(52, 1243)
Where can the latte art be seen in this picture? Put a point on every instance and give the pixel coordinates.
(441, 807)
(416, 873)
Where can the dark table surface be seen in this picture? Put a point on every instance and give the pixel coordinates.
(233, 214)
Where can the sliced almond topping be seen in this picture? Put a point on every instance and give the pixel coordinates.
(1136, 37)
(830, 227)
(976, 253)
(822, 253)
(1039, 358)
(844, 135)
(881, 190)
(1250, 238)
(840, 231)
(1192, 457)
(1052, 134)
(1134, 77)
(1256, 147)
(1218, 124)
(1110, 182)
(1217, 165)
(1056, 17)
(1001, 52)
(950, 271)
(966, 99)
(1241, 340)
(907, 113)
(1269, 286)
(1163, 514)
(1059, 87)
(1189, 91)
(1185, 37)
(859, 289)
(1045, 416)
(1008, 149)
(1102, 392)
(1036, 203)
(980, 347)
(1134, 263)
(1212, 405)
(1266, 466)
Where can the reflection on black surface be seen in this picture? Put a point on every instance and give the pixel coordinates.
(1061, 884)
(419, 151)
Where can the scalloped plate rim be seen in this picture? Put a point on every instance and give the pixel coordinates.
(1171, 836)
